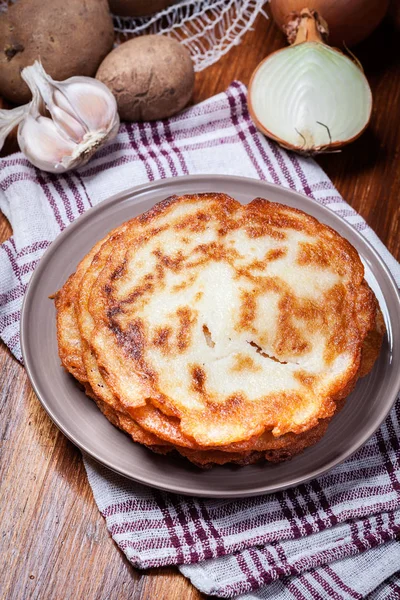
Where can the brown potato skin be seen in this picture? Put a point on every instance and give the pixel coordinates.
(151, 77)
(138, 8)
(70, 37)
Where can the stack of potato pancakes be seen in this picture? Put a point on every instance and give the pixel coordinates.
(221, 331)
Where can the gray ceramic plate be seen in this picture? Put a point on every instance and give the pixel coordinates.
(81, 421)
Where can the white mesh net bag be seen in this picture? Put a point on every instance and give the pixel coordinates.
(208, 28)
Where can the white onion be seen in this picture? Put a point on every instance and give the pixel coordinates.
(310, 98)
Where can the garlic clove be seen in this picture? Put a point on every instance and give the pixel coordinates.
(86, 101)
(67, 119)
(93, 103)
(68, 124)
(41, 142)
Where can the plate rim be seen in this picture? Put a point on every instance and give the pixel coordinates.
(175, 488)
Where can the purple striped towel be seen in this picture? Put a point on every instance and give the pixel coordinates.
(335, 537)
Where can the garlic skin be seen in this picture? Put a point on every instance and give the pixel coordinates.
(10, 118)
(67, 121)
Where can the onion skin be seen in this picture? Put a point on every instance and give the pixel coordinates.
(349, 21)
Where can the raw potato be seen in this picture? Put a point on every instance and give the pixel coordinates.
(151, 77)
(71, 37)
(138, 8)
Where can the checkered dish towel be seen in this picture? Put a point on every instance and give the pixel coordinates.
(335, 537)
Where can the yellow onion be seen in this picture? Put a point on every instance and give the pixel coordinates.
(349, 21)
(310, 97)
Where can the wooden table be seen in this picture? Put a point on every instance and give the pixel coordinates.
(54, 543)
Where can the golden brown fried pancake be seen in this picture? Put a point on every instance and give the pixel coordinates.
(85, 276)
(282, 450)
(264, 290)
(72, 353)
(68, 338)
(234, 319)
(266, 446)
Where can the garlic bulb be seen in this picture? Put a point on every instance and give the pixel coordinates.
(310, 97)
(66, 122)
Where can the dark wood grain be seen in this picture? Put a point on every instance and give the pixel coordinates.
(54, 542)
